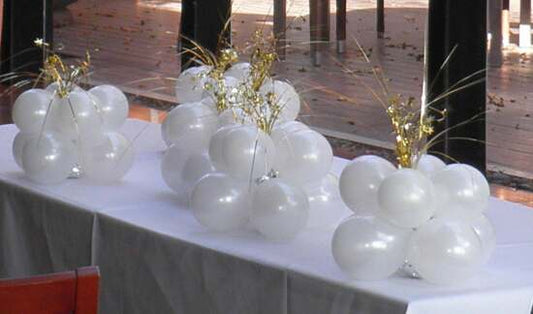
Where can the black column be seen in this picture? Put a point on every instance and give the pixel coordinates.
(461, 24)
(203, 21)
(380, 18)
(23, 22)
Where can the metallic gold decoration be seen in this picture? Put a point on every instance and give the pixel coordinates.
(263, 110)
(411, 129)
(56, 71)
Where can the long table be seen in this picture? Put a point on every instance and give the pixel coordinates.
(155, 258)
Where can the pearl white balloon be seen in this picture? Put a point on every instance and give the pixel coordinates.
(429, 164)
(360, 180)
(463, 185)
(182, 168)
(324, 192)
(52, 88)
(445, 251)
(233, 116)
(19, 142)
(190, 120)
(75, 116)
(286, 97)
(242, 151)
(368, 248)
(280, 210)
(113, 106)
(240, 71)
(406, 198)
(48, 158)
(486, 234)
(280, 131)
(216, 145)
(190, 84)
(303, 156)
(220, 202)
(325, 205)
(210, 102)
(29, 110)
(109, 159)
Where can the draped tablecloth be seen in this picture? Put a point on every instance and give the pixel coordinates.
(155, 258)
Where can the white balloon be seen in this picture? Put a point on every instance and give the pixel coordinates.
(52, 88)
(234, 116)
(360, 180)
(368, 248)
(182, 168)
(280, 131)
(486, 234)
(240, 71)
(429, 164)
(445, 251)
(29, 110)
(190, 120)
(406, 198)
(19, 142)
(48, 158)
(220, 202)
(242, 151)
(303, 156)
(216, 145)
(113, 106)
(479, 222)
(324, 202)
(280, 210)
(460, 184)
(190, 84)
(109, 159)
(76, 116)
(210, 102)
(324, 192)
(286, 97)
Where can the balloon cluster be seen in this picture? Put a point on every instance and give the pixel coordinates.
(66, 131)
(236, 153)
(424, 217)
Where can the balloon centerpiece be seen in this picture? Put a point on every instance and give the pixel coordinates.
(66, 131)
(422, 216)
(235, 151)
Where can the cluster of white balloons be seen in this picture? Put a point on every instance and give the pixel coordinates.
(68, 136)
(429, 219)
(234, 174)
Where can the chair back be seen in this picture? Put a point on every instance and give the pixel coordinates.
(67, 292)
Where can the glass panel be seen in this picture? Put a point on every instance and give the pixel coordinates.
(133, 44)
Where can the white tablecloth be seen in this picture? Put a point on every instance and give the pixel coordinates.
(155, 258)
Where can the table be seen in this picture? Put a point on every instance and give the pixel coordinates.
(155, 258)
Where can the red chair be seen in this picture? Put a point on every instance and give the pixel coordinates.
(68, 292)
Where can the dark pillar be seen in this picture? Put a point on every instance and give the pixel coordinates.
(380, 18)
(280, 26)
(463, 24)
(341, 26)
(23, 22)
(318, 28)
(205, 22)
(495, 24)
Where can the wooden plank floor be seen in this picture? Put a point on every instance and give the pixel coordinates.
(134, 46)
